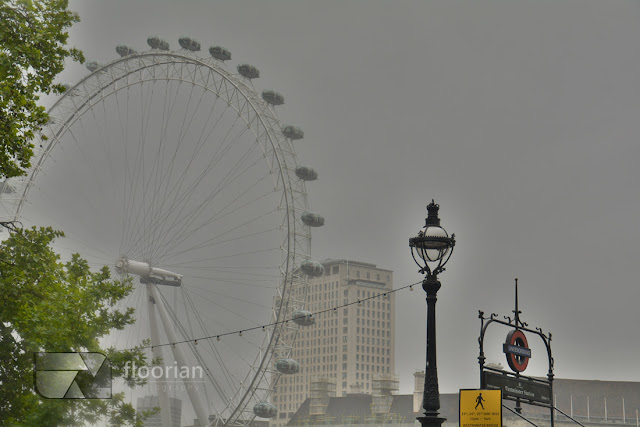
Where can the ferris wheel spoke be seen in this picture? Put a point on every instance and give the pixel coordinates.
(173, 98)
(155, 232)
(179, 200)
(166, 115)
(184, 234)
(222, 282)
(245, 301)
(230, 377)
(178, 324)
(213, 241)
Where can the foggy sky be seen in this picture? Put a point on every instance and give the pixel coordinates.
(519, 118)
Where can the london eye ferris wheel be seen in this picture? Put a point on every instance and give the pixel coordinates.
(173, 169)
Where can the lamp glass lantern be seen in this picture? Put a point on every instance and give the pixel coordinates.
(432, 246)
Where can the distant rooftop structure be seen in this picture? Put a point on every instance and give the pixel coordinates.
(591, 402)
(329, 262)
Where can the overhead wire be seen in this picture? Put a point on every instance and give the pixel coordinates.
(239, 332)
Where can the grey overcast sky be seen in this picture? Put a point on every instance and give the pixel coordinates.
(520, 118)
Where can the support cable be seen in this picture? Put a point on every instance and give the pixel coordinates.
(521, 416)
(571, 418)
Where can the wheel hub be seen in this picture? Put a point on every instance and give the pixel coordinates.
(147, 273)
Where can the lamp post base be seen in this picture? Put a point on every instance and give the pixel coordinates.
(431, 420)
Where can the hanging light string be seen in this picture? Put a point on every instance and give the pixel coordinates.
(268, 325)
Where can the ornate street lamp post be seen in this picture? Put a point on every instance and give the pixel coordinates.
(432, 246)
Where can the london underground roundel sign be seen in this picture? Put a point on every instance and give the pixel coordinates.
(517, 350)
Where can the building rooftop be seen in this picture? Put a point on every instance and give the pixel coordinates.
(330, 262)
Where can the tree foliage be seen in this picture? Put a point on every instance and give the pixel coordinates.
(32, 53)
(48, 305)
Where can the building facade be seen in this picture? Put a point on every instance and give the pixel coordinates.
(347, 345)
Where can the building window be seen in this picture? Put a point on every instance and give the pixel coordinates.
(358, 273)
(335, 269)
(368, 275)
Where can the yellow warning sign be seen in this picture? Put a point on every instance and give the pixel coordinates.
(480, 408)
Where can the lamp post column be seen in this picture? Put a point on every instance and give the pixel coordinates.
(431, 395)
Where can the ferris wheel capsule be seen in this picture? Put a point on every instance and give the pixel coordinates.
(312, 268)
(189, 43)
(93, 65)
(272, 97)
(303, 318)
(288, 366)
(265, 410)
(306, 173)
(312, 219)
(248, 71)
(156, 42)
(220, 53)
(292, 132)
(124, 50)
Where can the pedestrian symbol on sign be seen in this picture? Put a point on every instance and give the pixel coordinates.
(479, 401)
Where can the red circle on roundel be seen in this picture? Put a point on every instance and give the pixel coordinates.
(516, 362)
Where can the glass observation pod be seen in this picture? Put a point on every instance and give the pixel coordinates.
(292, 132)
(248, 71)
(306, 173)
(189, 43)
(93, 65)
(272, 97)
(303, 318)
(265, 410)
(124, 50)
(220, 53)
(312, 268)
(156, 42)
(288, 366)
(312, 219)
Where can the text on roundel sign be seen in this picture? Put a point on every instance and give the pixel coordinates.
(517, 350)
